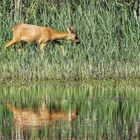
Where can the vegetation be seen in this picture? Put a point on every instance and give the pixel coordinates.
(104, 112)
(109, 46)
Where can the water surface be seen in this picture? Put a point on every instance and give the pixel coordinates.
(105, 112)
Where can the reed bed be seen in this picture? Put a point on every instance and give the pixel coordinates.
(109, 46)
(104, 112)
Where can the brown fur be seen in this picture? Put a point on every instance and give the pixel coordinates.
(26, 119)
(40, 35)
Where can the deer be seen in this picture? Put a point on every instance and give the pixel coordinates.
(40, 35)
(31, 119)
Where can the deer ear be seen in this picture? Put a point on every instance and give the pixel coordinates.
(69, 30)
(72, 30)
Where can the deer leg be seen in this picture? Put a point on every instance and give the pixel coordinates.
(42, 46)
(18, 133)
(63, 51)
(13, 41)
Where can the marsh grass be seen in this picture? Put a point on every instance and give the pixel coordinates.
(105, 112)
(109, 46)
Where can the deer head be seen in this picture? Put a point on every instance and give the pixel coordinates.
(73, 35)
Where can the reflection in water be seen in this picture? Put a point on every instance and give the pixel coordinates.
(37, 119)
(104, 112)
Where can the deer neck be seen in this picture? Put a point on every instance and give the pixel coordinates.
(60, 35)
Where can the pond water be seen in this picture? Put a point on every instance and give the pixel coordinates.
(103, 112)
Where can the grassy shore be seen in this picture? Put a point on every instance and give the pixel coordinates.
(109, 46)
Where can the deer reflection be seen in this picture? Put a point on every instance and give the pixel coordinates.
(31, 119)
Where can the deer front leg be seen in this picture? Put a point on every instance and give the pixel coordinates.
(18, 133)
(42, 46)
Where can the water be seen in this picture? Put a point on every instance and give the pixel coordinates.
(105, 112)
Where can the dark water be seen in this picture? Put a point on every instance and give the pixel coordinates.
(105, 112)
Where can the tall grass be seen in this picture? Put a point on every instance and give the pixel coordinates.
(109, 46)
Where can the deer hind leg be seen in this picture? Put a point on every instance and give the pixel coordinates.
(13, 41)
